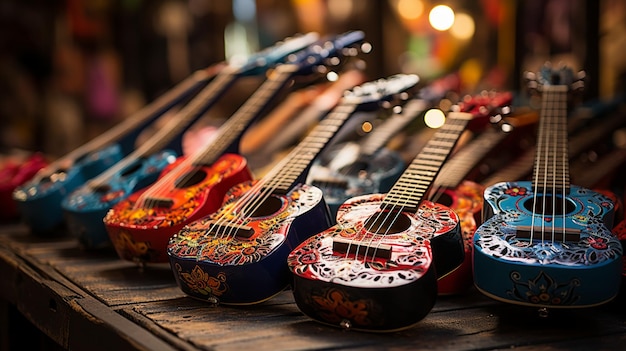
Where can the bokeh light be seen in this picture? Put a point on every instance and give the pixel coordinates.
(441, 17)
(434, 118)
(463, 27)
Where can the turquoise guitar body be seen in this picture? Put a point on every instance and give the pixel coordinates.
(86, 207)
(545, 269)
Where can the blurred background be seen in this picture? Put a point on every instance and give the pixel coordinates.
(71, 69)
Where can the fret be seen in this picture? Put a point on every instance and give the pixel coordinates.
(455, 170)
(414, 183)
(234, 126)
(293, 165)
(551, 170)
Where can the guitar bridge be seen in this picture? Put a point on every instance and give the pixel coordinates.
(156, 202)
(570, 235)
(343, 246)
(242, 231)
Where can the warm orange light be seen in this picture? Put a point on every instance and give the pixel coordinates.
(410, 9)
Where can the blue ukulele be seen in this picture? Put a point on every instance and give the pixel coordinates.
(546, 243)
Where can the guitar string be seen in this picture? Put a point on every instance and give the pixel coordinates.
(396, 206)
(384, 132)
(456, 127)
(156, 109)
(282, 173)
(299, 158)
(564, 160)
(226, 133)
(537, 167)
(173, 127)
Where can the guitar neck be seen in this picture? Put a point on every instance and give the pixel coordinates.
(551, 171)
(460, 165)
(234, 127)
(377, 140)
(189, 114)
(292, 168)
(175, 126)
(408, 192)
(134, 122)
(523, 165)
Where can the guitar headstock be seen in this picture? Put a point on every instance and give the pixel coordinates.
(553, 76)
(370, 94)
(261, 61)
(327, 52)
(483, 107)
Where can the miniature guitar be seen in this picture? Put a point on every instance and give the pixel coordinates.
(377, 268)
(85, 207)
(454, 188)
(546, 243)
(193, 187)
(39, 199)
(367, 167)
(237, 255)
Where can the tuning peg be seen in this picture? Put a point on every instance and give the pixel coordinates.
(579, 84)
(532, 84)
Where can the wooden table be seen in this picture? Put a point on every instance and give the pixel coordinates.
(95, 301)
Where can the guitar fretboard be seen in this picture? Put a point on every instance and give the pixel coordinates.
(409, 190)
(131, 123)
(459, 166)
(284, 175)
(234, 127)
(551, 170)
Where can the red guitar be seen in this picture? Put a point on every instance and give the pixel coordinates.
(377, 268)
(194, 187)
(14, 174)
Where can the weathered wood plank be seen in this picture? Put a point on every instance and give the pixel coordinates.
(72, 295)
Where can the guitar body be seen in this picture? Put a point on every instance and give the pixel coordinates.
(466, 200)
(251, 269)
(39, 201)
(341, 177)
(380, 294)
(86, 207)
(13, 175)
(547, 274)
(140, 234)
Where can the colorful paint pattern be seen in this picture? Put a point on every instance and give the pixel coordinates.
(411, 255)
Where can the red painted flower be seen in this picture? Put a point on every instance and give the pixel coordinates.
(515, 191)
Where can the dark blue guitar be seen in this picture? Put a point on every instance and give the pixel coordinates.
(544, 242)
(86, 207)
(238, 254)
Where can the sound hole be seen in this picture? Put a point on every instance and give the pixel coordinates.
(387, 223)
(550, 205)
(270, 206)
(131, 169)
(191, 178)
